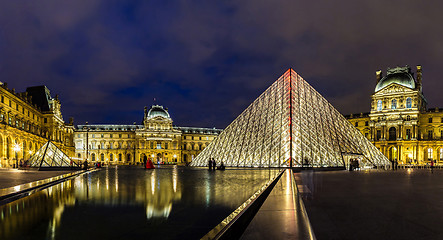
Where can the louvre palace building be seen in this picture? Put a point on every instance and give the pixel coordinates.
(399, 123)
(155, 139)
(27, 121)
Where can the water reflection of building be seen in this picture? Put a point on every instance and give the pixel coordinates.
(151, 191)
(156, 139)
(28, 120)
(399, 123)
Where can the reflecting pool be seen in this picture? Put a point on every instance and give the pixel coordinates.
(132, 203)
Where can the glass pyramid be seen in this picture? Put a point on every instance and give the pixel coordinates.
(291, 124)
(50, 156)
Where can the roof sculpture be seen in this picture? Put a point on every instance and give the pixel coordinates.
(290, 124)
(51, 157)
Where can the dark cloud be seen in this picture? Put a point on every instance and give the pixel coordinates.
(208, 60)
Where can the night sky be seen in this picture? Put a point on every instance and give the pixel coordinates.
(208, 60)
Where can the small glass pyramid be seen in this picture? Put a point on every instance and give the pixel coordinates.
(50, 156)
(291, 124)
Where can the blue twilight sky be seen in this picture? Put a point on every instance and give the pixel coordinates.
(208, 60)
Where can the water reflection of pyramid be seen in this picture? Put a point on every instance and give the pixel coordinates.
(290, 119)
(50, 156)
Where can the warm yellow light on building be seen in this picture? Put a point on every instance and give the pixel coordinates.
(16, 148)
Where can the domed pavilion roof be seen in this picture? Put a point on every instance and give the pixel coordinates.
(157, 110)
(399, 75)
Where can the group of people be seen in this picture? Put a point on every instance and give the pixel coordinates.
(213, 165)
(353, 164)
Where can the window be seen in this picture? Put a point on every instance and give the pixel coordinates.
(366, 123)
(45, 120)
(93, 157)
(93, 135)
(120, 136)
(159, 146)
(366, 135)
(442, 120)
(430, 134)
(408, 118)
(408, 133)
(3, 99)
(152, 145)
(110, 136)
(119, 157)
(441, 154)
(102, 136)
(430, 120)
(379, 105)
(166, 145)
(378, 134)
(441, 134)
(111, 157)
(392, 134)
(394, 104)
(356, 124)
(102, 157)
(430, 153)
(408, 102)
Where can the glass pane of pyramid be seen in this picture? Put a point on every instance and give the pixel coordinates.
(290, 121)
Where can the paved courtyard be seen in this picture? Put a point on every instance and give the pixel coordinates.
(402, 204)
(14, 177)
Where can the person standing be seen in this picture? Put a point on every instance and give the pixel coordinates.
(210, 164)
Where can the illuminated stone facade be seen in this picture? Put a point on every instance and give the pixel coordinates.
(27, 121)
(399, 123)
(156, 139)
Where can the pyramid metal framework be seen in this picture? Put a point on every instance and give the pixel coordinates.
(50, 156)
(291, 124)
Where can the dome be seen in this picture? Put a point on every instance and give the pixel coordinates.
(401, 76)
(156, 111)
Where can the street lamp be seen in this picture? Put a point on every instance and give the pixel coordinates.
(16, 150)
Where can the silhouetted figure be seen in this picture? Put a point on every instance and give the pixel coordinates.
(222, 166)
(214, 164)
(210, 164)
(85, 165)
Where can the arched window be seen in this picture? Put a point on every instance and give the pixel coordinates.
(102, 157)
(408, 102)
(128, 157)
(111, 157)
(79, 155)
(392, 134)
(93, 157)
(119, 157)
(429, 153)
(394, 104)
(379, 105)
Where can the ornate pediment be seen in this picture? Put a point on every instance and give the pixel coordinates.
(394, 88)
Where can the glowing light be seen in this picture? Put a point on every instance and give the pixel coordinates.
(16, 148)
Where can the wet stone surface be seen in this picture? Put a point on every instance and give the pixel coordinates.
(132, 203)
(402, 204)
(14, 177)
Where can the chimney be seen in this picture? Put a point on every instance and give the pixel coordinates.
(378, 75)
(419, 76)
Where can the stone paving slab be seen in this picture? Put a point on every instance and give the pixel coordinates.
(14, 177)
(402, 204)
(281, 216)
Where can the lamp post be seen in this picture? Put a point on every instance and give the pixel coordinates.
(16, 150)
(87, 141)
